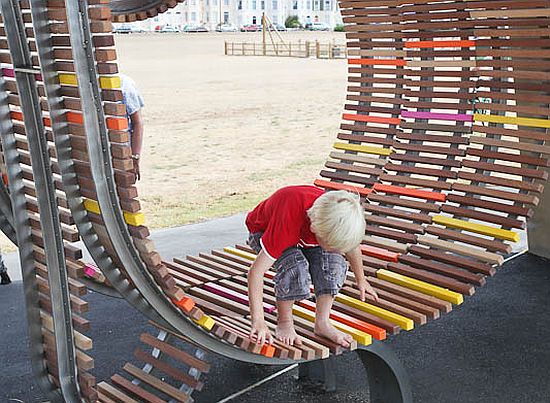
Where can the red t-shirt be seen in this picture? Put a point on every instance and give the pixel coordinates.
(283, 219)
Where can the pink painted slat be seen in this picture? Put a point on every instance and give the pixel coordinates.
(89, 271)
(234, 296)
(7, 72)
(439, 116)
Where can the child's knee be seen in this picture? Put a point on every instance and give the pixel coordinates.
(292, 279)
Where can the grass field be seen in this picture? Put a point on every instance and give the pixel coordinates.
(223, 132)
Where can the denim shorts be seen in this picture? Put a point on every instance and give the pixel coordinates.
(297, 268)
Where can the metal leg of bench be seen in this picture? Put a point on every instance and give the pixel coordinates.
(538, 227)
(388, 380)
(319, 372)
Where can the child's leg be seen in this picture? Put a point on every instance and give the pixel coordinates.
(291, 284)
(328, 272)
(285, 324)
(323, 327)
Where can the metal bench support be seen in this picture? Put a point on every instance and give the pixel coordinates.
(320, 373)
(538, 228)
(388, 380)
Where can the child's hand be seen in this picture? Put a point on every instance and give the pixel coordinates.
(260, 333)
(365, 288)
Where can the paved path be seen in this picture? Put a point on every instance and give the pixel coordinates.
(493, 348)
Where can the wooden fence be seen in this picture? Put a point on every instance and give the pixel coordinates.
(296, 49)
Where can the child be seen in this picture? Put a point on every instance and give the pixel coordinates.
(302, 232)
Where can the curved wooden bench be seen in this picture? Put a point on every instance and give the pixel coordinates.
(443, 137)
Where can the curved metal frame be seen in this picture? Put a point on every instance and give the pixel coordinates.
(49, 214)
(102, 173)
(21, 224)
(68, 175)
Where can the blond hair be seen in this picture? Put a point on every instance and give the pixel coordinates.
(338, 221)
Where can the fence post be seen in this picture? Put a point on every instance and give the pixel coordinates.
(307, 49)
(290, 49)
(225, 47)
(317, 49)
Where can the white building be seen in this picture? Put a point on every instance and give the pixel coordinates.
(211, 13)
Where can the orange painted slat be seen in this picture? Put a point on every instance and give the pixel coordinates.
(400, 190)
(374, 331)
(379, 253)
(73, 117)
(117, 123)
(267, 350)
(16, 115)
(112, 123)
(378, 62)
(371, 119)
(186, 304)
(440, 44)
(340, 186)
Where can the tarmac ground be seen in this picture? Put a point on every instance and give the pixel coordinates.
(493, 348)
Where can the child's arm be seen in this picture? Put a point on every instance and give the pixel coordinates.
(356, 263)
(259, 331)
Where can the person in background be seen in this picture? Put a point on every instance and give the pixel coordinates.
(4, 277)
(134, 102)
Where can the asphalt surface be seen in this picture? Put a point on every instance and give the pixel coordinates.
(493, 348)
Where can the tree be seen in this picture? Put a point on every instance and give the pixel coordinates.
(293, 22)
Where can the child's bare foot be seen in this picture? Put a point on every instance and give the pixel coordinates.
(287, 334)
(330, 332)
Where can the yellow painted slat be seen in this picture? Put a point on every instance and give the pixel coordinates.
(402, 321)
(531, 122)
(477, 228)
(67, 79)
(109, 82)
(205, 321)
(363, 149)
(422, 286)
(358, 335)
(135, 219)
(240, 253)
(105, 82)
